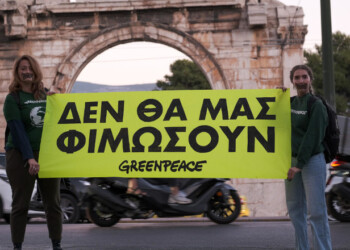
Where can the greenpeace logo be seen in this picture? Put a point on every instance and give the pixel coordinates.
(299, 112)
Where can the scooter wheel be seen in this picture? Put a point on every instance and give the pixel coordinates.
(100, 215)
(224, 211)
(339, 208)
(70, 208)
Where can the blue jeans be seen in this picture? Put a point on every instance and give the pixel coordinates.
(305, 195)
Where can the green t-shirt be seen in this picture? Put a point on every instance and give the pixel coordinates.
(31, 112)
(308, 130)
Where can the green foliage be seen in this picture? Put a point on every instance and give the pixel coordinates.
(185, 75)
(341, 57)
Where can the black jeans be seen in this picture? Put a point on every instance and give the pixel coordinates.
(22, 184)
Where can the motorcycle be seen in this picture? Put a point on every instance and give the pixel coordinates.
(107, 201)
(338, 189)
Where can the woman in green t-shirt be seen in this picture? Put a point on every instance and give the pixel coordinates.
(24, 111)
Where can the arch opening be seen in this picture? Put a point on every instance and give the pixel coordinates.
(129, 65)
(85, 52)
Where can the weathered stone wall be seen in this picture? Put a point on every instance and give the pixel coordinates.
(236, 44)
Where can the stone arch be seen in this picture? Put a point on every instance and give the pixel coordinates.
(83, 53)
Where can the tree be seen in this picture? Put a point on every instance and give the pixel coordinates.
(185, 75)
(341, 56)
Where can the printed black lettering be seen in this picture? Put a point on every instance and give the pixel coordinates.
(175, 104)
(157, 166)
(154, 147)
(214, 136)
(242, 103)
(182, 167)
(124, 167)
(70, 137)
(265, 108)
(269, 144)
(142, 165)
(106, 107)
(199, 165)
(156, 110)
(174, 166)
(88, 111)
(161, 166)
(191, 163)
(133, 166)
(208, 106)
(149, 166)
(166, 165)
(92, 141)
(70, 108)
(107, 135)
(172, 132)
(232, 136)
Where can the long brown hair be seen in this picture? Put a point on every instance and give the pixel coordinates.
(37, 85)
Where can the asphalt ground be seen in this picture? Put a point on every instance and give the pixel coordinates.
(186, 233)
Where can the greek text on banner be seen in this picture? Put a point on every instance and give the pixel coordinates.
(168, 134)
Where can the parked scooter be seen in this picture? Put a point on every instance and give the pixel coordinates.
(108, 202)
(338, 189)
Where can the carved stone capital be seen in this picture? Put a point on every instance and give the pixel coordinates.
(291, 29)
(292, 34)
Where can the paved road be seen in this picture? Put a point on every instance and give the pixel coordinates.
(198, 233)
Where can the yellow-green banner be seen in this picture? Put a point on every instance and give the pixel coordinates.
(182, 134)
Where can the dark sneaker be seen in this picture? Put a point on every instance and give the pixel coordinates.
(17, 246)
(56, 245)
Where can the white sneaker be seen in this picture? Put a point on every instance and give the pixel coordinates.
(181, 193)
(179, 199)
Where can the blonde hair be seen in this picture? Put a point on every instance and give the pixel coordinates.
(37, 85)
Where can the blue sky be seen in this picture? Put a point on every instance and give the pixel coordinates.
(141, 62)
